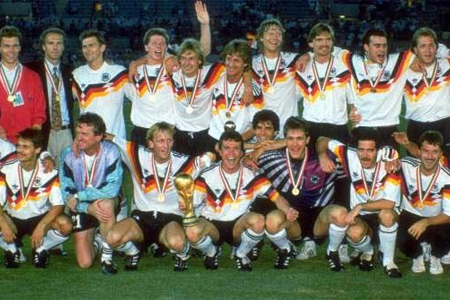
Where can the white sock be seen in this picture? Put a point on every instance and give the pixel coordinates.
(387, 235)
(206, 246)
(3, 244)
(365, 245)
(52, 239)
(249, 239)
(128, 248)
(107, 251)
(184, 254)
(336, 236)
(280, 239)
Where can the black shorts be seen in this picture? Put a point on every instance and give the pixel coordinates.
(306, 219)
(83, 221)
(225, 229)
(332, 131)
(415, 129)
(262, 205)
(152, 223)
(26, 226)
(193, 143)
(373, 221)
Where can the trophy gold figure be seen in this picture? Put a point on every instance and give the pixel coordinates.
(185, 188)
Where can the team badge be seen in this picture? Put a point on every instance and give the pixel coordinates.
(105, 77)
(314, 179)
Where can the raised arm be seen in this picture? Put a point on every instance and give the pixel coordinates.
(205, 30)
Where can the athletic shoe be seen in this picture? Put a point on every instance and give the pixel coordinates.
(334, 262)
(108, 268)
(131, 262)
(355, 258)
(426, 250)
(366, 262)
(58, 250)
(12, 260)
(435, 266)
(256, 251)
(196, 253)
(41, 259)
(343, 254)
(308, 250)
(180, 264)
(158, 251)
(22, 258)
(446, 259)
(392, 271)
(211, 262)
(283, 259)
(418, 265)
(244, 264)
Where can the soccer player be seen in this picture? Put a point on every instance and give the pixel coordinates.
(22, 102)
(425, 215)
(157, 217)
(224, 192)
(100, 87)
(427, 93)
(374, 201)
(31, 203)
(91, 178)
(296, 174)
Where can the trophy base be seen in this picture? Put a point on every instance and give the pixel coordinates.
(190, 221)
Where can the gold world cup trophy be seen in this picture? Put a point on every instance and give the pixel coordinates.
(185, 188)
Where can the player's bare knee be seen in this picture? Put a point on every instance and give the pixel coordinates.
(85, 262)
(387, 217)
(337, 215)
(113, 238)
(175, 242)
(193, 234)
(63, 225)
(256, 222)
(275, 221)
(356, 232)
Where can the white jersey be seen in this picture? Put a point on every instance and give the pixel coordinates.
(152, 97)
(233, 110)
(216, 203)
(102, 92)
(198, 116)
(325, 97)
(41, 192)
(7, 151)
(379, 104)
(145, 188)
(283, 100)
(433, 203)
(387, 186)
(428, 102)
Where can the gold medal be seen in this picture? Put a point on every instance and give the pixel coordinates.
(373, 90)
(295, 191)
(270, 90)
(189, 109)
(217, 209)
(160, 197)
(11, 98)
(228, 114)
(322, 96)
(151, 96)
(57, 97)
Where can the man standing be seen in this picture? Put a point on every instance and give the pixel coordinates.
(56, 78)
(225, 192)
(426, 208)
(91, 181)
(22, 102)
(31, 203)
(99, 86)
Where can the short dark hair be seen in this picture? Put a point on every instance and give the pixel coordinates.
(264, 26)
(266, 115)
(366, 134)
(10, 32)
(160, 126)
(423, 31)
(295, 123)
(93, 33)
(318, 29)
(231, 136)
(240, 47)
(50, 30)
(373, 32)
(432, 137)
(93, 120)
(156, 31)
(33, 135)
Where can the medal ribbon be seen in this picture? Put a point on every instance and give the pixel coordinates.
(161, 189)
(374, 84)
(30, 182)
(327, 73)
(57, 90)
(153, 89)
(374, 181)
(272, 80)
(235, 92)
(423, 197)
(90, 175)
(227, 185)
(190, 100)
(433, 76)
(11, 89)
(296, 182)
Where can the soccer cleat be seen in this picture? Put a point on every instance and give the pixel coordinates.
(334, 262)
(180, 264)
(41, 259)
(244, 264)
(12, 260)
(343, 254)
(283, 259)
(355, 258)
(308, 251)
(445, 259)
(211, 262)
(366, 262)
(256, 251)
(58, 250)
(392, 271)
(108, 268)
(131, 262)
(157, 250)
(418, 264)
(426, 251)
(435, 266)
